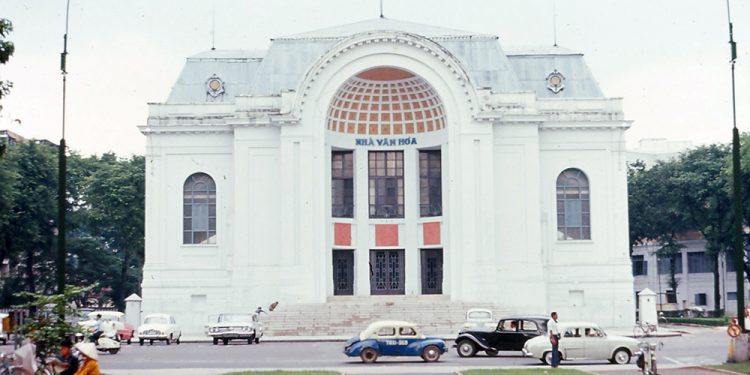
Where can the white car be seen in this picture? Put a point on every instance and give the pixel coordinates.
(480, 319)
(229, 327)
(160, 327)
(583, 341)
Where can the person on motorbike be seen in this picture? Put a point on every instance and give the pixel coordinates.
(90, 363)
(98, 329)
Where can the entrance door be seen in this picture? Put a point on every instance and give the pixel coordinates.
(432, 271)
(386, 272)
(343, 272)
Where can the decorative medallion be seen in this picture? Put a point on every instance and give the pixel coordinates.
(215, 86)
(555, 81)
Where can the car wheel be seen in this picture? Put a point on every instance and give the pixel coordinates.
(369, 355)
(547, 358)
(466, 348)
(178, 340)
(621, 357)
(250, 341)
(431, 353)
(491, 352)
(130, 339)
(226, 341)
(141, 341)
(168, 340)
(151, 342)
(113, 351)
(257, 340)
(216, 341)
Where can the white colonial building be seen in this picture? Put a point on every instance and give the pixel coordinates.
(387, 158)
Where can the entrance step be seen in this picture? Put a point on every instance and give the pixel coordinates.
(348, 315)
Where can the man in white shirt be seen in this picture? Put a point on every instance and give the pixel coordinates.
(554, 339)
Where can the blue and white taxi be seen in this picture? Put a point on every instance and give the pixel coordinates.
(394, 338)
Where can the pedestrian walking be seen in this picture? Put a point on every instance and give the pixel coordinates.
(554, 339)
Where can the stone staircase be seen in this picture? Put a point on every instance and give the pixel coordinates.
(347, 316)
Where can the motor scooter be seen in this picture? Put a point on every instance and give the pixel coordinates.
(106, 342)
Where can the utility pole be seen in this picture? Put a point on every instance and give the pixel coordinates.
(739, 251)
(61, 190)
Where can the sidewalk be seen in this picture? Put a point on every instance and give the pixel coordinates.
(421, 369)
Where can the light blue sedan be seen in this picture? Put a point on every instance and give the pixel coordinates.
(394, 338)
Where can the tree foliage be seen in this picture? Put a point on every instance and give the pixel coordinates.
(46, 328)
(6, 51)
(104, 245)
(689, 193)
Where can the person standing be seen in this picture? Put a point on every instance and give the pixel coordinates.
(554, 339)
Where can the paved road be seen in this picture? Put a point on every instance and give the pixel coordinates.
(697, 346)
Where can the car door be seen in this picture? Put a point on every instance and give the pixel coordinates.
(595, 343)
(507, 336)
(572, 343)
(387, 340)
(528, 329)
(408, 341)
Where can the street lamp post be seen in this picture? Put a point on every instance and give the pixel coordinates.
(739, 250)
(61, 195)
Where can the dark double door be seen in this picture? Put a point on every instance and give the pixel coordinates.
(343, 272)
(432, 271)
(386, 272)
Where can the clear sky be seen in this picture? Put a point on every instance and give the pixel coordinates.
(667, 58)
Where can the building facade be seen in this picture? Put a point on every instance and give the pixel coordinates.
(387, 158)
(694, 272)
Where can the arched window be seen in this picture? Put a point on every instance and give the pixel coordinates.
(199, 210)
(573, 209)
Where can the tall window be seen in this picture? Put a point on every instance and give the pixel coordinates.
(386, 171)
(699, 262)
(640, 266)
(573, 211)
(342, 184)
(664, 262)
(430, 184)
(199, 210)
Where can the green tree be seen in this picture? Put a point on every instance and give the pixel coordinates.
(29, 233)
(45, 327)
(6, 51)
(703, 197)
(655, 213)
(115, 193)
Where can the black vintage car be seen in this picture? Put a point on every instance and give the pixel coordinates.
(509, 335)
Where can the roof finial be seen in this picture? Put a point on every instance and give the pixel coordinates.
(554, 22)
(381, 9)
(213, 25)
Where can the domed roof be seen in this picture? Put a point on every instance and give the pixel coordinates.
(386, 101)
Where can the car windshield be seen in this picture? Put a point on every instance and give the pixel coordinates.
(106, 316)
(236, 318)
(156, 320)
(480, 315)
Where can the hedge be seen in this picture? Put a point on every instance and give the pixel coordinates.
(722, 321)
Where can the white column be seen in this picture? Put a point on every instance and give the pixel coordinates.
(408, 237)
(361, 225)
